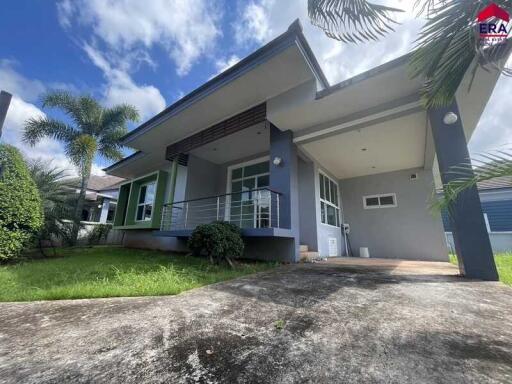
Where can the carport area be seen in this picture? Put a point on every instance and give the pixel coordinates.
(342, 321)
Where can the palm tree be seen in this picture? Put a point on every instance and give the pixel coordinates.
(58, 198)
(446, 48)
(92, 129)
(482, 167)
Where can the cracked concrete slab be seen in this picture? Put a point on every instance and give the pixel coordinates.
(321, 323)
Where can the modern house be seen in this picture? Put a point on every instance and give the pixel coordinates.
(496, 198)
(100, 199)
(270, 145)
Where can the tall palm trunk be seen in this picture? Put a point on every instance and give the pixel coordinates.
(85, 173)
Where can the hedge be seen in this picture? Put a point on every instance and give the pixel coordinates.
(21, 211)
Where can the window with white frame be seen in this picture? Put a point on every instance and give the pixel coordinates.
(145, 201)
(387, 200)
(329, 204)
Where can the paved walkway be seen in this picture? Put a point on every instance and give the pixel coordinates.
(319, 323)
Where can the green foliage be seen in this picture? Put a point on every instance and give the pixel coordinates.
(80, 273)
(92, 130)
(21, 211)
(58, 198)
(351, 21)
(99, 233)
(218, 241)
(482, 167)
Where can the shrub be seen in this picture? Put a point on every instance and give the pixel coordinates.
(218, 241)
(21, 211)
(99, 233)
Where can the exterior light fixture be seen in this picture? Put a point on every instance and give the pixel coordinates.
(99, 205)
(450, 118)
(277, 161)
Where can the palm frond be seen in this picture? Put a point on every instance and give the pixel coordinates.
(482, 167)
(352, 21)
(81, 152)
(38, 128)
(109, 145)
(119, 116)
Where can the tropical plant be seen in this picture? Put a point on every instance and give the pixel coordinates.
(58, 198)
(99, 233)
(446, 48)
(482, 167)
(21, 213)
(218, 241)
(90, 130)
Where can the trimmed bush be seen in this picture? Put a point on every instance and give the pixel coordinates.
(218, 241)
(21, 211)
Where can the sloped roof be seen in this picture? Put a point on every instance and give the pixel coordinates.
(496, 183)
(100, 183)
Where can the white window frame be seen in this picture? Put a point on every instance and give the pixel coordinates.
(327, 202)
(144, 204)
(227, 208)
(393, 195)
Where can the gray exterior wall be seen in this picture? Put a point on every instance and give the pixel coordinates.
(202, 178)
(408, 231)
(307, 205)
(144, 239)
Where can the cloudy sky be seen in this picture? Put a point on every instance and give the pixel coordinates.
(151, 53)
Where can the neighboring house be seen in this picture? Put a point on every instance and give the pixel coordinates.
(270, 145)
(496, 198)
(101, 199)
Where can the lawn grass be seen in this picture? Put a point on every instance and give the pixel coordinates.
(109, 272)
(503, 263)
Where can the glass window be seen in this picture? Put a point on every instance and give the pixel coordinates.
(145, 202)
(380, 201)
(387, 200)
(329, 205)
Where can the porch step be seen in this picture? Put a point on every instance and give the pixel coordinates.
(304, 248)
(309, 256)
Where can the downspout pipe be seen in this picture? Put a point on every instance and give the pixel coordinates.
(5, 101)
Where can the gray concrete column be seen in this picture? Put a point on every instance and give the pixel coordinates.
(471, 239)
(283, 179)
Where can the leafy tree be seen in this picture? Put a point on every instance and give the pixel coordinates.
(446, 48)
(58, 199)
(92, 129)
(21, 213)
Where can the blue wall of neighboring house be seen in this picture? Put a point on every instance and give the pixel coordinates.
(499, 214)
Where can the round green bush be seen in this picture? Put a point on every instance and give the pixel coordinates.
(21, 211)
(218, 241)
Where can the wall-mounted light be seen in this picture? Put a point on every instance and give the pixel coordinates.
(277, 161)
(99, 205)
(450, 118)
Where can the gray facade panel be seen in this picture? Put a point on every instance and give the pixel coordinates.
(307, 205)
(408, 231)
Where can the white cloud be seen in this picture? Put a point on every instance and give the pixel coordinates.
(121, 88)
(187, 30)
(12, 82)
(493, 130)
(260, 21)
(222, 64)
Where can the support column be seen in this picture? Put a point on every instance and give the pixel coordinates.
(172, 182)
(283, 179)
(471, 239)
(104, 210)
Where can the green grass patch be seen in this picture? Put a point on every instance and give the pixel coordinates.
(503, 263)
(112, 272)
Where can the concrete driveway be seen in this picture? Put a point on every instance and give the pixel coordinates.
(321, 323)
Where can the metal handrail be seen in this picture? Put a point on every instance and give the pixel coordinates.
(225, 194)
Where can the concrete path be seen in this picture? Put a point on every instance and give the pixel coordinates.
(320, 323)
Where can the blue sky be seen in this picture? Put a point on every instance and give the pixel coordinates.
(151, 53)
